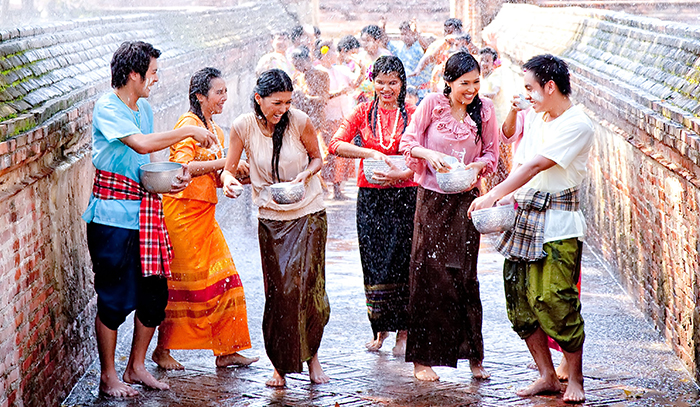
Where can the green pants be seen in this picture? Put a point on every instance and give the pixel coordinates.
(543, 294)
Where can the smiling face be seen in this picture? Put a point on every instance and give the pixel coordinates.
(486, 62)
(274, 106)
(213, 103)
(387, 86)
(534, 92)
(465, 88)
(147, 82)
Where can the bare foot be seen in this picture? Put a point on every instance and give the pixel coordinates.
(139, 375)
(540, 386)
(164, 359)
(375, 344)
(574, 393)
(316, 373)
(478, 371)
(234, 359)
(277, 380)
(400, 347)
(111, 386)
(563, 370)
(425, 373)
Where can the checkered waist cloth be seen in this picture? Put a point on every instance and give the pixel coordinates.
(154, 242)
(526, 240)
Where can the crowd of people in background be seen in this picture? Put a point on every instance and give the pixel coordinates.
(420, 105)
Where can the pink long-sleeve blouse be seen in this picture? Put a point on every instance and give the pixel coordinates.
(432, 126)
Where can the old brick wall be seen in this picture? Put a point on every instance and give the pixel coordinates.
(50, 78)
(638, 78)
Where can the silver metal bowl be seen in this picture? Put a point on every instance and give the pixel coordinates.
(236, 190)
(287, 192)
(158, 177)
(370, 165)
(495, 219)
(458, 179)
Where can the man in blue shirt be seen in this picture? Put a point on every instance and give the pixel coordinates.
(122, 138)
(410, 50)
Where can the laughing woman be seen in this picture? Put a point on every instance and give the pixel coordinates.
(444, 306)
(384, 210)
(206, 305)
(281, 145)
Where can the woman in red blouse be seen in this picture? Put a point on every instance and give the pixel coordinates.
(385, 207)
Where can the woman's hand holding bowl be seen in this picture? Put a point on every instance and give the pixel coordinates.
(391, 177)
(478, 166)
(303, 176)
(232, 187)
(436, 160)
(181, 181)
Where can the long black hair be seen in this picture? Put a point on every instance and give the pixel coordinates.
(269, 82)
(387, 65)
(457, 65)
(200, 84)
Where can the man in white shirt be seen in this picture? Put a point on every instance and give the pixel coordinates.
(543, 251)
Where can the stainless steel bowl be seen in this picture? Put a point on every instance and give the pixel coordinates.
(159, 177)
(287, 192)
(495, 219)
(370, 165)
(236, 190)
(458, 179)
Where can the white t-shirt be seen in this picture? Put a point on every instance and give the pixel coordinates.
(567, 141)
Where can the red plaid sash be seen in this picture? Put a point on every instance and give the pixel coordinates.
(156, 250)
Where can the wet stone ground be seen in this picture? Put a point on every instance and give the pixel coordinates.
(626, 362)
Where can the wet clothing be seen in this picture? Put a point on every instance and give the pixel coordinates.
(292, 246)
(385, 232)
(432, 126)
(120, 285)
(206, 307)
(544, 294)
(296, 305)
(445, 308)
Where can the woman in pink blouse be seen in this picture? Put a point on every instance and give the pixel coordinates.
(444, 308)
(385, 207)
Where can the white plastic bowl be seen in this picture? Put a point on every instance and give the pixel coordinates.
(496, 219)
(287, 192)
(370, 165)
(158, 177)
(458, 179)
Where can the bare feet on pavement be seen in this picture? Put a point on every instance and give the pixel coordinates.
(234, 359)
(574, 393)
(478, 371)
(375, 344)
(563, 370)
(541, 386)
(277, 380)
(316, 373)
(139, 375)
(164, 359)
(400, 347)
(110, 385)
(425, 373)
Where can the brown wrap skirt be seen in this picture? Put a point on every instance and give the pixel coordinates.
(293, 257)
(445, 310)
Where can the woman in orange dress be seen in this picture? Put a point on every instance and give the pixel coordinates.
(206, 305)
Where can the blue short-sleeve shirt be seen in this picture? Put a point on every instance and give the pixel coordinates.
(111, 121)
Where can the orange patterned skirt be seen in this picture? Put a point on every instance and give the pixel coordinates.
(206, 304)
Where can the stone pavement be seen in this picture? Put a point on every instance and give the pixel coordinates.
(626, 362)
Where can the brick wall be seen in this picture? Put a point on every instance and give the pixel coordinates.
(51, 76)
(638, 79)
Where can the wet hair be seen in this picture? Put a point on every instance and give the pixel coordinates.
(131, 56)
(373, 31)
(296, 32)
(387, 65)
(269, 82)
(489, 50)
(405, 25)
(348, 43)
(455, 23)
(457, 65)
(283, 34)
(320, 44)
(547, 68)
(200, 83)
(301, 53)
